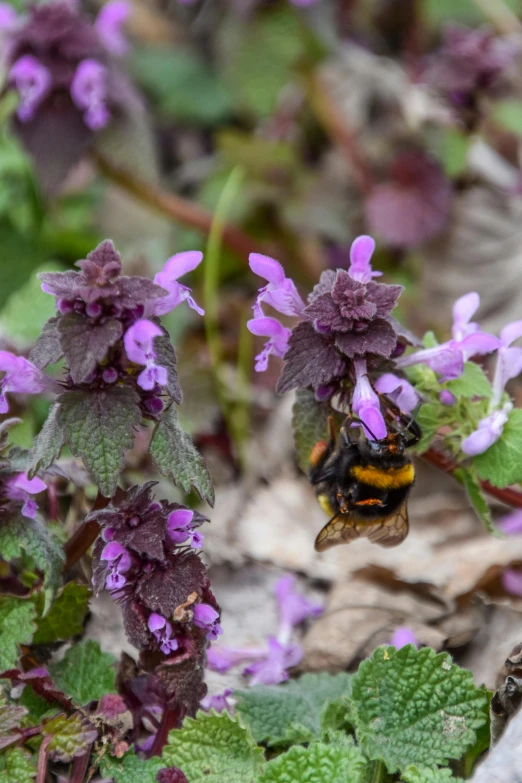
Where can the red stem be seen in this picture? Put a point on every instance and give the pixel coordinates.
(41, 769)
(79, 767)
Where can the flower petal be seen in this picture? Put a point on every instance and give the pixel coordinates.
(511, 332)
(463, 309)
(267, 268)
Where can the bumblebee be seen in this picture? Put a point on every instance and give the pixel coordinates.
(363, 485)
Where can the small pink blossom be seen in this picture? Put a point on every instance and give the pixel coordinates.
(399, 390)
(361, 252)
(280, 291)
(179, 528)
(276, 345)
(220, 702)
(366, 404)
(274, 667)
(177, 266)
(21, 376)
(139, 347)
(293, 607)
(162, 630)
(403, 636)
(205, 616)
(512, 581)
(511, 524)
(119, 563)
(89, 92)
(21, 488)
(33, 82)
(109, 23)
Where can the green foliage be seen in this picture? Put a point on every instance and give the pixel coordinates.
(508, 114)
(319, 763)
(22, 536)
(183, 86)
(310, 425)
(429, 420)
(131, 769)
(213, 748)
(48, 443)
(71, 736)
(415, 707)
(468, 477)
(99, 428)
(17, 766)
(16, 627)
(66, 616)
(176, 457)
(472, 383)
(14, 323)
(85, 673)
(501, 464)
(451, 147)
(428, 775)
(297, 711)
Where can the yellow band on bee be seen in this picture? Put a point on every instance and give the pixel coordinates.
(391, 478)
(325, 505)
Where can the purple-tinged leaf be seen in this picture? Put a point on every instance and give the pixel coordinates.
(138, 290)
(166, 357)
(85, 344)
(176, 457)
(102, 264)
(135, 625)
(62, 285)
(10, 719)
(181, 677)
(171, 775)
(100, 427)
(72, 735)
(47, 349)
(311, 360)
(168, 586)
(48, 443)
(324, 286)
(379, 339)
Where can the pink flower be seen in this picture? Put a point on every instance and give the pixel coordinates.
(162, 630)
(179, 528)
(221, 659)
(293, 608)
(280, 291)
(177, 266)
(20, 488)
(33, 82)
(89, 93)
(119, 563)
(205, 616)
(512, 581)
(109, 23)
(366, 404)
(276, 345)
(20, 376)
(361, 252)
(273, 668)
(220, 702)
(511, 524)
(403, 636)
(139, 347)
(399, 390)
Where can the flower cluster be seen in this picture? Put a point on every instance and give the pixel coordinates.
(268, 664)
(145, 558)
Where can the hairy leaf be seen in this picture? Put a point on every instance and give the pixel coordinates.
(476, 497)
(428, 775)
(47, 349)
(10, 719)
(177, 457)
(85, 344)
(131, 769)
(310, 425)
(272, 711)
(85, 673)
(99, 427)
(428, 419)
(319, 763)
(20, 535)
(66, 616)
(17, 766)
(71, 736)
(16, 627)
(501, 464)
(415, 707)
(311, 360)
(166, 357)
(472, 383)
(214, 748)
(48, 443)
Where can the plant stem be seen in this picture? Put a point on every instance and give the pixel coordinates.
(41, 769)
(378, 772)
(84, 536)
(177, 208)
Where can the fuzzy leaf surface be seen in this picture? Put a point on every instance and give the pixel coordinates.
(66, 616)
(17, 766)
(48, 443)
(86, 344)
(428, 775)
(213, 748)
(501, 464)
(47, 349)
(71, 736)
(177, 458)
(476, 497)
(20, 535)
(100, 428)
(310, 425)
(131, 769)
(318, 763)
(166, 357)
(472, 383)
(272, 712)
(85, 673)
(16, 627)
(415, 707)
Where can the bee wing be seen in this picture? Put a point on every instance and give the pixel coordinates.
(387, 531)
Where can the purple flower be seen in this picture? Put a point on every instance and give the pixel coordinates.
(366, 404)
(139, 347)
(512, 581)
(447, 398)
(162, 630)
(179, 528)
(33, 82)
(403, 636)
(221, 659)
(280, 291)
(488, 431)
(8, 17)
(109, 23)
(272, 669)
(119, 563)
(361, 252)
(468, 340)
(177, 266)
(293, 608)
(205, 616)
(19, 487)
(220, 702)
(89, 93)
(511, 524)
(399, 390)
(277, 345)
(20, 376)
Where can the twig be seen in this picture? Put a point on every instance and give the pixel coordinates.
(84, 536)
(508, 495)
(177, 208)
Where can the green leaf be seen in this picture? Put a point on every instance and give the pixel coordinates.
(71, 736)
(428, 419)
(451, 147)
(319, 763)
(20, 330)
(37, 706)
(17, 766)
(271, 711)
(131, 769)
(66, 616)
(20, 535)
(508, 114)
(177, 458)
(16, 627)
(48, 443)
(428, 775)
(472, 383)
(468, 477)
(22, 255)
(99, 426)
(501, 464)
(415, 707)
(85, 673)
(214, 748)
(183, 85)
(85, 344)
(310, 425)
